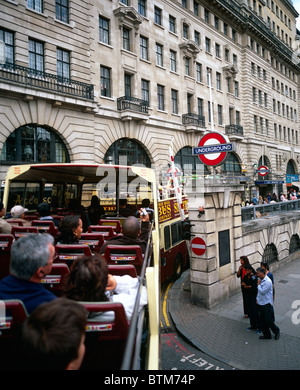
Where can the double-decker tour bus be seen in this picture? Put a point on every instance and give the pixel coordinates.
(59, 184)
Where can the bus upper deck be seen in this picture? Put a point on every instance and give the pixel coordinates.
(58, 184)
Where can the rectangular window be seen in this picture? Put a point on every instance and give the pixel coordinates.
(172, 24)
(187, 66)
(218, 81)
(218, 51)
(197, 38)
(63, 64)
(36, 55)
(105, 81)
(174, 97)
(157, 15)
(36, 5)
(199, 72)
(200, 106)
(207, 45)
(185, 30)
(236, 89)
(127, 84)
(142, 7)
(159, 55)
(126, 39)
(220, 115)
(160, 97)
(104, 30)
(173, 66)
(144, 48)
(8, 38)
(62, 10)
(145, 91)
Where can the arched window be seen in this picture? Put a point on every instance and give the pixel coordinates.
(270, 254)
(188, 162)
(231, 166)
(34, 144)
(294, 243)
(126, 151)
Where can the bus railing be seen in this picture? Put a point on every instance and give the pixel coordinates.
(131, 358)
(263, 210)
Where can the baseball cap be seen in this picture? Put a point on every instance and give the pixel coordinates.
(17, 211)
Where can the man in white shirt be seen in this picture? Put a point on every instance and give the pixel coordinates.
(265, 305)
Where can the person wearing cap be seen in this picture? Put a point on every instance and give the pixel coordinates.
(5, 227)
(17, 214)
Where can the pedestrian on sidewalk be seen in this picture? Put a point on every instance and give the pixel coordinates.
(265, 305)
(249, 286)
(241, 274)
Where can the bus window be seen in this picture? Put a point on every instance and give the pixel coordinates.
(176, 232)
(167, 237)
(25, 194)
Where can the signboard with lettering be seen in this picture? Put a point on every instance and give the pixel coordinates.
(168, 209)
(212, 149)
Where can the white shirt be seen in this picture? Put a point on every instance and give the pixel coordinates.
(124, 293)
(265, 291)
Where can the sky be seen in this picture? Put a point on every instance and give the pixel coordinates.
(296, 4)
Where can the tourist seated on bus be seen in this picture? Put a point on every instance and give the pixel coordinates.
(5, 227)
(44, 211)
(133, 233)
(95, 210)
(31, 259)
(146, 205)
(52, 337)
(89, 281)
(70, 230)
(17, 213)
(75, 207)
(125, 210)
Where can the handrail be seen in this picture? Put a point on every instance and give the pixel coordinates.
(42, 80)
(130, 342)
(249, 212)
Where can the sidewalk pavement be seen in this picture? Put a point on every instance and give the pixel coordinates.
(221, 331)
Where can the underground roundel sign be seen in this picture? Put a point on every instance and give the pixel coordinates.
(216, 148)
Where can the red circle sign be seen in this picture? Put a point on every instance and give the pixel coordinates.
(212, 159)
(263, 170)
(198, 246)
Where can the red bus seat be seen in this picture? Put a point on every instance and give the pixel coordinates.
(95, 241)
(45, 227)
(106, 231)
(55, 280)
(12, 316)
(67, 253)
(14, 222)
(124, 254)
(20, 231)
(120, 270)
(105, 340)
(6, 241)
(114, 223)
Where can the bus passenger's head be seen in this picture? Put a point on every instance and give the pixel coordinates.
(70, 229)
(32, 256)
(131, 227)
(87, 279)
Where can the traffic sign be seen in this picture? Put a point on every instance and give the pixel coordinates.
(263, 170)
(198, 246)
(212, 149)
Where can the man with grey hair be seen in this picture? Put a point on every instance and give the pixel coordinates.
(31, 260)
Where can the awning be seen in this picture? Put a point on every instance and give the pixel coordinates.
(296, 183)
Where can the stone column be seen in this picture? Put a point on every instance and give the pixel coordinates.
(213, 274)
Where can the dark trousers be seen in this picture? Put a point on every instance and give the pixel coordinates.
(267, 320)
(250, 301)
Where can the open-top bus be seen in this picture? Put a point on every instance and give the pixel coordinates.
(28, 185)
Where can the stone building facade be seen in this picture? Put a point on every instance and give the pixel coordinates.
(92, 81)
